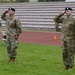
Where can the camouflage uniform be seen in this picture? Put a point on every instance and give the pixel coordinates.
(13, 28)
(68, 30)
(0, 24)
(57, 27)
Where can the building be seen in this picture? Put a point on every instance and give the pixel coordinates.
(32, 0)
(38, 0)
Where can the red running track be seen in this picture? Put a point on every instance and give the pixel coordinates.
(45, 38)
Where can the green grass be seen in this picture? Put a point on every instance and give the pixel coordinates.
(34, 59)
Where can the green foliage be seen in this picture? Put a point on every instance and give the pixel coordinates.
(34, 59)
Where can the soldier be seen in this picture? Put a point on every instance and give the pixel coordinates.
(68, 32)
(13, 30)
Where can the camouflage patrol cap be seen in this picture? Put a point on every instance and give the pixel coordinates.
(68, 8)
(11, 9)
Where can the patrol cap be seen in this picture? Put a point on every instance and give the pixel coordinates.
(11, 9)
(68, 8)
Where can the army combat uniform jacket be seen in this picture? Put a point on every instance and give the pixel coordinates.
(68, 26)
(13, 25)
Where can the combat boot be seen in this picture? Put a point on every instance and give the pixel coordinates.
(70, 69)
(67, 67)
(12, 60)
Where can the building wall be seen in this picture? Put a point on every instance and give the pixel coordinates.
(38, 0)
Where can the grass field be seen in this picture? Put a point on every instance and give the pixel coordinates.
(34, 59)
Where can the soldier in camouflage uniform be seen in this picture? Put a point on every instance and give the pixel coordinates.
(13, 30)
(68, 35)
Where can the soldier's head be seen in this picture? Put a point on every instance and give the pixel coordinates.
(68, 11)
(11, 11)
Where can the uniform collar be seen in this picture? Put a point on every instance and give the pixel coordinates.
(12, 16)
(69, 16)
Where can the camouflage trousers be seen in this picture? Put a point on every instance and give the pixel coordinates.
(68, 53)
(12, 44)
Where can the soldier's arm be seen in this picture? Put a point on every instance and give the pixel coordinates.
(0, 24)
(18, 27)
(57, 26)
(4, 15)
(59, 19)
(74, 26)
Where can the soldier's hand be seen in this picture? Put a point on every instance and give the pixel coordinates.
(63, 13)
(6, 11)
